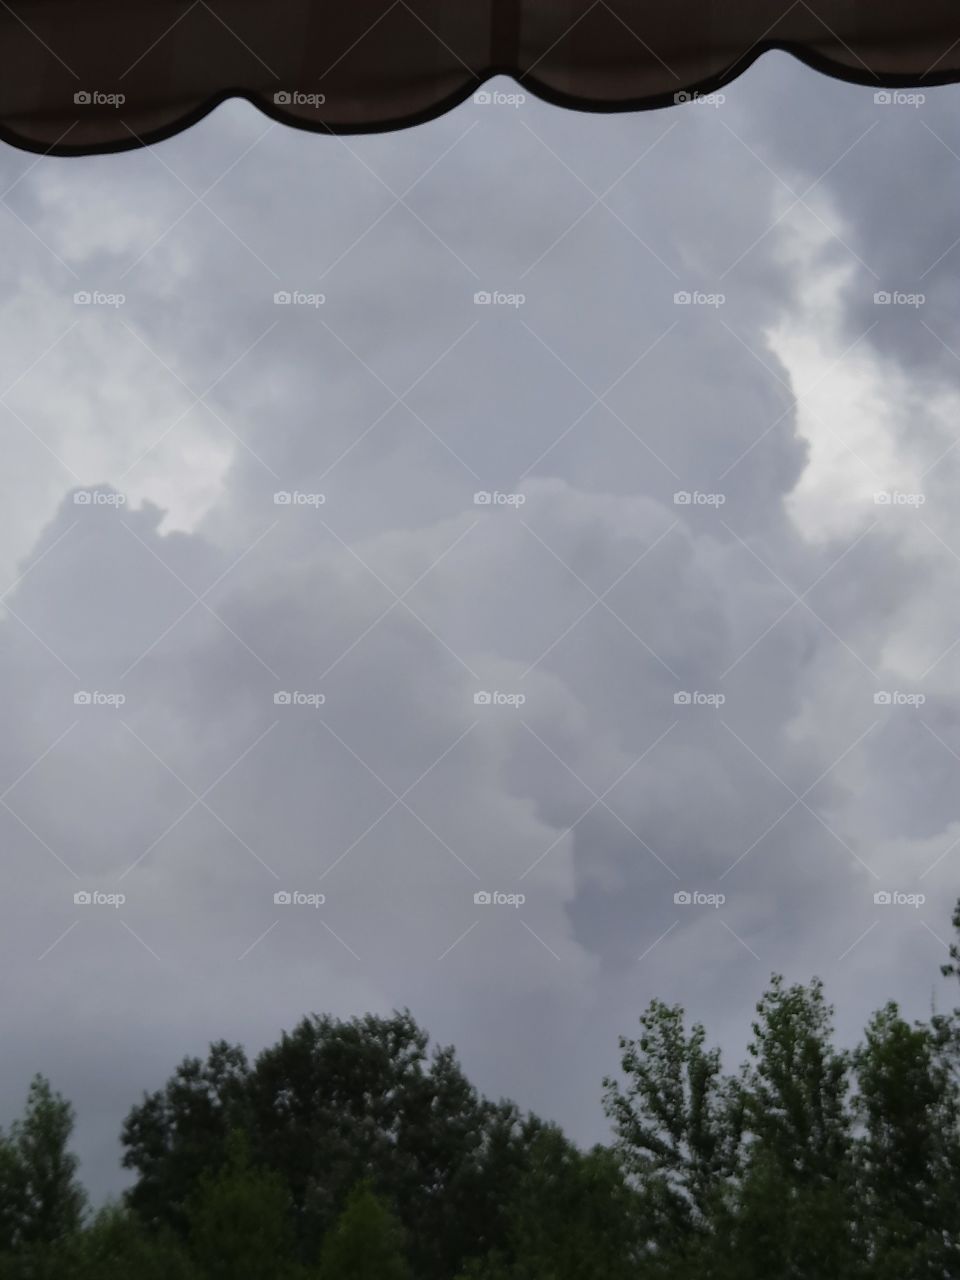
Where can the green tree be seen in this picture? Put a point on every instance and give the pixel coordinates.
(117, 1246)
(678, 1122)
(572, 1215)
(13, 1195)
(240, 1220)
(794, 1216)
(335, 1103)
(331, 1104)
(952, 968)
(180, 1132)
(909, 1150)
(41, 1200)
(366, 1243)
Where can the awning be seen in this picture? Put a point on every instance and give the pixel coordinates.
(83, 76)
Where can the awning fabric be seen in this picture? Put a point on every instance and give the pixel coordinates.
(82, 76)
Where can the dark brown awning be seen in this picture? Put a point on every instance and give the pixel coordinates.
(82, 76)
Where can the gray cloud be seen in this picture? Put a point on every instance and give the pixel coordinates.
(398, 598)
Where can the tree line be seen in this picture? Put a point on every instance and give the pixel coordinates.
(349, 1150)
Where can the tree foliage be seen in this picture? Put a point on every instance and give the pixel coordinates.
(41, 1200)
(367, 1242)
(349, 1150)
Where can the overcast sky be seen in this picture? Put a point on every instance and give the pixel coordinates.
(685, 692)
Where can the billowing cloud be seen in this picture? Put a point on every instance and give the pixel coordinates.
(578, 592)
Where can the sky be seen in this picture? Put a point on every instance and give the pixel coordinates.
(551, 507)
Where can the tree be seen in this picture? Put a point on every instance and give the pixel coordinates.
(366, 1243)
(331, 1104)
(795, 1211)
(180, 1132)
(41, 1200)
(952, 968)
(335, 1103)
(797, 1085)
(678, 1124)
(117, 1246)
(240, 1220)
(572, 1215)
(909, 1151)
(13, 1195)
